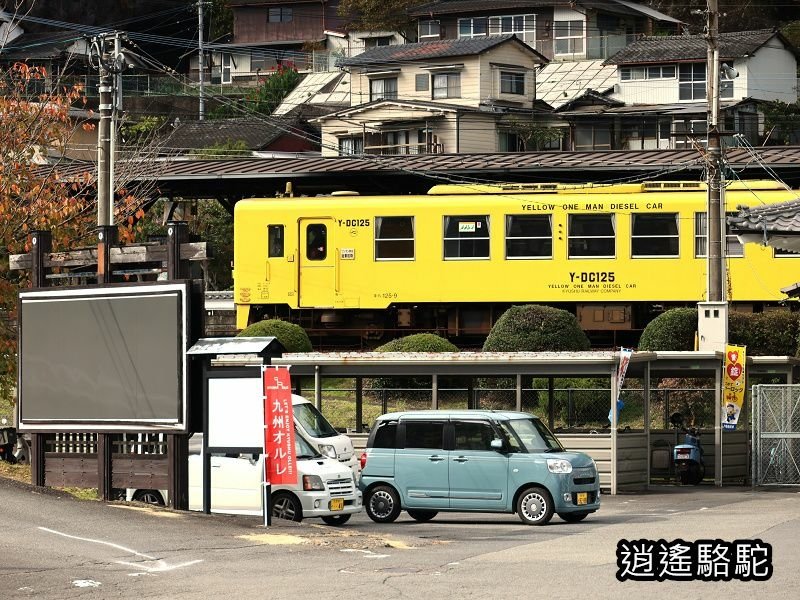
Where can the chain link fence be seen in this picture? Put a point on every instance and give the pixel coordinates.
(776, 434)
(573, 408)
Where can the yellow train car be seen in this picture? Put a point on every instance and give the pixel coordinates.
(452, 260)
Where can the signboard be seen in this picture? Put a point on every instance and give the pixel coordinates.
(624, 358)
(108, 358)
(733, 386)
(279, 451)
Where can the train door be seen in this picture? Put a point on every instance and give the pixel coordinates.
(317, 263)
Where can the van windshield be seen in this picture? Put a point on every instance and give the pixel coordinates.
(534, 435)
(312, 421)
(303, 449)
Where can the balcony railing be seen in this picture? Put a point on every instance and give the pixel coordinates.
(400, 149)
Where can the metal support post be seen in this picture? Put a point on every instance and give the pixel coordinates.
(177, 232)
(106, 238)
(41, 246)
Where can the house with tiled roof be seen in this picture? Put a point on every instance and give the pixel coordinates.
(658, 98)
(453, 95)
(248, 133)
(558, 29)
(776, 225)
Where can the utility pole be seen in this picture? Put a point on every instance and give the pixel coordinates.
(105, 213)
(201, 59)
(716, 248)
(109, 64)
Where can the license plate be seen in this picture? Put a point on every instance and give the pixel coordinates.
(582, 498)
(336, 504)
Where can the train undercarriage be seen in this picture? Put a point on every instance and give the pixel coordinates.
(467, 325)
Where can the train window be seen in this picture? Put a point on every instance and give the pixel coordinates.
(592, 236)
(654, 234)
(529, 236)
(274, 241)
(316, 241)
(781, 253)
(733, 247)
(466, 236)
(394, 238)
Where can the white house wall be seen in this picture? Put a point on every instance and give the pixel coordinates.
(770, 74)
(507, 54)
(406, 86)
(476, 133)
(647, 91)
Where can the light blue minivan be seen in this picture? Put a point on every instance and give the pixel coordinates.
(474, 460)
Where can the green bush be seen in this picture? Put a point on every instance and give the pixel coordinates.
(293, 337)
(671, 330)
(419, 342)
(765, 334)
(534, 328)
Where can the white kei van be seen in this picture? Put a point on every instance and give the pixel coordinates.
(316, 429)
(325, 488)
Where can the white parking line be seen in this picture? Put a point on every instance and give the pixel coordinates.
(158, 566)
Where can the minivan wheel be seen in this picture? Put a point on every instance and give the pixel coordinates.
(535, 506)
(149, 497)
(336, 520)
(573, 517)
(382, 504)
(286, 506)
(422, 515)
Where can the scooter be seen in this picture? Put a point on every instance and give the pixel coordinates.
(687, 457)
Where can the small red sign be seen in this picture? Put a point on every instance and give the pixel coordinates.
(280, 467)
(734, 371)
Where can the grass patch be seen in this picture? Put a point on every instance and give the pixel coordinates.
(82, 493)
(17, 472)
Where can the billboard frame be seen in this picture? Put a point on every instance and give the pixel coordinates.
(183, 290)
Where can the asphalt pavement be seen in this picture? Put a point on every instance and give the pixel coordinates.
(53, 546)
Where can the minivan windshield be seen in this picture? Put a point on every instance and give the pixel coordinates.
(303, 449)
(534, 435)
(312, 421)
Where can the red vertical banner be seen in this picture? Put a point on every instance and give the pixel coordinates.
(280, 467)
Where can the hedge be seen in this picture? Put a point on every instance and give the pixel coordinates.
(293, 337)
(535, 328)
(765, 334)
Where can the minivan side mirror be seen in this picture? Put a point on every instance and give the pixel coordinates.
(496, 444)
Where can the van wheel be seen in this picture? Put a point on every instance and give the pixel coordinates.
(336, 520)
(286, 506)
(573, 517)
(535, 506)
(422, 515)
(149, 497)
(382, 504)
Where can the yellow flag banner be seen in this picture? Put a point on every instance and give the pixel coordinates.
(733, 386)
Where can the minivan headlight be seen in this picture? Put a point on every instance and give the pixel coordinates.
(327, 450)
(313, 482)
(559, 465)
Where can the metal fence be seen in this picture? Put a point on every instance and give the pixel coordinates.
(776, 434)
(573, 408)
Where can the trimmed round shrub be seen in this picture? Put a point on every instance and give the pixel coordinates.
(671, 330)
(535, 328)
(772, 333)
(419, 342)
(293, 337)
